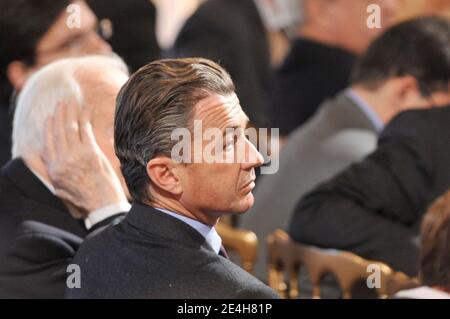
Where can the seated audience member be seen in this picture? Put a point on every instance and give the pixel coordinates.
(232, 33)
(133, 29)
(395, 74)
(167, 246)
(374, 208)
(435, 254)
(33, 34)
(63, 181)
(321, 57)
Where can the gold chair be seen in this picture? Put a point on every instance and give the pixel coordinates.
(286, 257)
(243, 242)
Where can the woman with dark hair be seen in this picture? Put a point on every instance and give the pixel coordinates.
(435, 253)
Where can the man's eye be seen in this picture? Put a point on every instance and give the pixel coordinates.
(230, 143)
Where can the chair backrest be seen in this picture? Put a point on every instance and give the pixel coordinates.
(286, 258)
(243, 242)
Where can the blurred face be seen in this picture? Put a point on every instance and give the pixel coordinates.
(100, 89)
(349, 21)
(62, 41)
(221, 187)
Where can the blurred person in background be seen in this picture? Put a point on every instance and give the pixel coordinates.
(395, 74)
(132, 24)
(33, 34)
(374, 208)
(64, 181)
(331, 34)
(434, 254)
(234, 33)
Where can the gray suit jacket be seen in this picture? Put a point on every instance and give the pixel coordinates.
(339, 134)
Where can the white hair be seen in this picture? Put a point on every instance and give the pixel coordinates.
(42, 92)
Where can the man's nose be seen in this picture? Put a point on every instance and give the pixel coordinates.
(253, 157)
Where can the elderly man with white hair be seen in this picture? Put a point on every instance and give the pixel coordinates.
(64, 182)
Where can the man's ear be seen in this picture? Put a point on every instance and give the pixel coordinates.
(406, 85)
(408, 93)
(163, 174)
(17, 72)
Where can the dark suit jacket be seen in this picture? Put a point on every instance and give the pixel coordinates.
(151, 254)
(5, 134)
(38, 236)
(374, 208)
(311, 73)
(231, 33)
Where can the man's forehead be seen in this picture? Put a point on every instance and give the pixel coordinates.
(87, 21)
(100, 84)
(220, 111)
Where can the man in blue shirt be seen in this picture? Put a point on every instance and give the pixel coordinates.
(394, 75)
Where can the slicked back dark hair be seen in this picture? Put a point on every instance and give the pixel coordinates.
(418, 47)
(22, 24)
(157, 99)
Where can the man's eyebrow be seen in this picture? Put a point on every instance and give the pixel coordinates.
(234, 127)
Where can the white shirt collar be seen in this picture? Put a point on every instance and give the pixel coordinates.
(208, 232)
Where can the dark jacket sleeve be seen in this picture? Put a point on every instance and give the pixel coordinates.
(36, 267)
(35, 263)
(373, 207)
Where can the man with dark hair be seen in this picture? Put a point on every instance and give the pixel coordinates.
(33, 34)
(167, 246)
(374, 208)
(322, 55)
(395, 74)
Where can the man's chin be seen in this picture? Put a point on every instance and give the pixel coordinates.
(244, 204)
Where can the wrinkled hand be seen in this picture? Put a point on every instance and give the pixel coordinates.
(79, 171)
